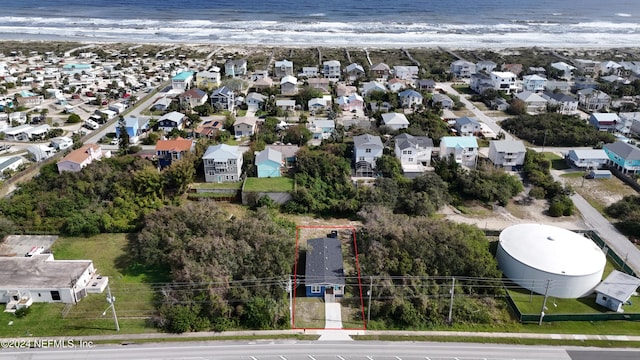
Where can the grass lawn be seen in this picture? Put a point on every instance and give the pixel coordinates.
(129, 284)
(557, 162)
(309, 313)
(225, 185)
(242, 113)
(276, 184)
(463, 89)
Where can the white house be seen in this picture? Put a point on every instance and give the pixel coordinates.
(463, 68)
(442, 100)
(255, 100)
(61, 143)
(486, 65)
(283, 68)
(405, 72)
(322, 129)
(534, 83)
(504, 81)
(395, 121)
(605, 121)
(222, 163)
(414, 153)
(534, 102)
(309, 72)
(286, 104)
(588, 158)
(244, 126)
(466, 126)
(565, 103)
(331, 70)
(289, 85)
(464, 149)
(372, 86)
(409, 97)
(351, 102)
(10, 164)
(233, 68)
(610, 68)
(567, 70)
(182, 81)
(354, 71)
(367, 150)
(80, 158)
(507, 153)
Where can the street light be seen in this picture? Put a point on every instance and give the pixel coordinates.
(112, 302)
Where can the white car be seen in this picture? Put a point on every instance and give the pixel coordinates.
(115, 141)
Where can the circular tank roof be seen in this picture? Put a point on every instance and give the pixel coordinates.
(552, 249)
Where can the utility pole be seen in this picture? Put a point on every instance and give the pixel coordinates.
(112, 302)
(453, 286)
(544, 303)
(290, 290)
(369, 293)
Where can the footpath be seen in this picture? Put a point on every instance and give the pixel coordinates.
(336, 335)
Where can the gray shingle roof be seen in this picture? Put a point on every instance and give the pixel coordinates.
(624, 150)
(324, 262)
(361, 140)
(405, 141)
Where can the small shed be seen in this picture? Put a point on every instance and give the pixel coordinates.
(599, 174)
(616, 290)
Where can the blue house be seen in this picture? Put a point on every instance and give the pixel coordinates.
(134, 126)
(269, 163)
(624, 157)
(324, 272)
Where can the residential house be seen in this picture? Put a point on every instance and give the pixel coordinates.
(507, 153)
(208, 80)
(395, 121)
(331, 70)
(499, 103)
(345, 90)
(633, 118)
(263, 83)
(322, 129)
(30, 101)
(222, 163)
(616, 290)
(405, 72)
(289, 85)
(10, 164)
(208, 129)
(288, 152)
(631, 67)
(286, 104)
(462, 68)
(244, 127)
(414, 153)
(255, 100)
(269, 163)
(81, 157)
(409, 98)
(182, 81)
(558, 85)
(168, 151)
(223, 98)
(623, 156)
(134, 126)
(234, 68)
(396, 85)
(321, 84)
(586, 66)
(610, 68)
(380, 71)
(566, 104)
(172, 120)
(161, 104)
(309, 72)
(324, 271)
(351, 102)
(428, 85)
(320, 104)
(193, 97)
(604, 121)
(466, 126)
(534, 83)
(36, 133)
(514, 68)
(354, 71)
(480, 82)
(588, 158)
(584, 83)
(372, 86)
(464, 149)
(504, 81)
(42, 279)
(442, 101)
(61, 143)
(566, 69)
(259, 74)
(367, 149)
(534, 103)
(283, 68)
(486, 66)
(593, 100)
(17, 133)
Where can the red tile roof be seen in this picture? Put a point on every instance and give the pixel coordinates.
(177, 145)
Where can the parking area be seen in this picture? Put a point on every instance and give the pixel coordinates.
(21, 245)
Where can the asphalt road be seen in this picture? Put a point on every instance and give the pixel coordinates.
(308, 350)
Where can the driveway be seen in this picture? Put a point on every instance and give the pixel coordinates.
(333, 316)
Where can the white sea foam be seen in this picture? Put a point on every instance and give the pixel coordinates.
(623, 14)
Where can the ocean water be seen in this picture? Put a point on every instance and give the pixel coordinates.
(383, 23)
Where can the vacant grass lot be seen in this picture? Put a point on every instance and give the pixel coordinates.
(309, 313)
(276, 184)
(131, 286)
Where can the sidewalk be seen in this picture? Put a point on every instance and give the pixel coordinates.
(341, 335)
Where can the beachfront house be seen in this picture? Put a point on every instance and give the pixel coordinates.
(182, 81)
(486, 66)
(331, 70)
(283, 68)
(309, 72)
(234, 68)
(464, 149)
(354, 71)
(507, 153)
(405, 72)
(222, 163)
(380, 71)
(566, 69)
(462, 68)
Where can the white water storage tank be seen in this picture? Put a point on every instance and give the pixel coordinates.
(532, 255)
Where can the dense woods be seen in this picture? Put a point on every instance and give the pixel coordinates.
(627, 212)
(409, 254)
(536, 170)
(552, 129)
(226, 272)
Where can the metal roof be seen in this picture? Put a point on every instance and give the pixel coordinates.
(509, 146)
(618, 285)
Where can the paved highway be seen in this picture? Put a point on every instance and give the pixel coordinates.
(308, 350)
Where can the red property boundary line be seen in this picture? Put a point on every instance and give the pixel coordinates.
(295, 273)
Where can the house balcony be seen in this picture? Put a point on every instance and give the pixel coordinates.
(511, 156)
